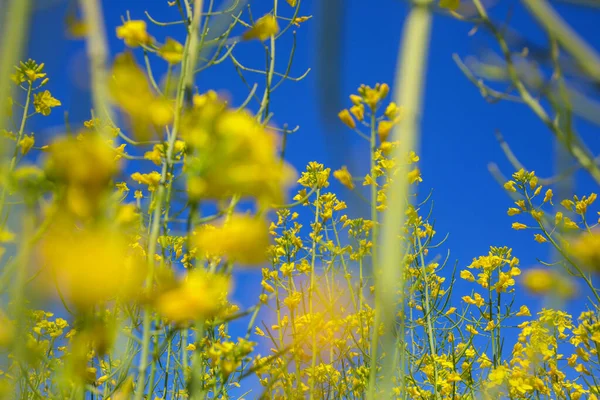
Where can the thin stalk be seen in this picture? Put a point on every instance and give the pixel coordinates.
(264, 104)
(311, 294)
(97, 50)
(15, 19)
(408, 92)
(159, 200)
(13, 160)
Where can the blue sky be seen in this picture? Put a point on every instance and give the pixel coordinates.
(458, 124)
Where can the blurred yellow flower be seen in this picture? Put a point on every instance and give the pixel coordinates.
(85, 165)
(152, 179)
(347, 119)
(171, 51)
(586, 249)
(230, 152)
(44, 102)
(199, 296)
(263, 29)
(134, 33)
(243, 239)
(26, 143)
(543, 281)
(91, 265)
(344, 176)
(450, 4)
(383, 129)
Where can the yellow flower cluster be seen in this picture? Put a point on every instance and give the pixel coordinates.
(200, 295)
(263, 29)
(230, 152)
(134, 33)
(129, 86)
(242, 238)
(91, 266)
(87, 184)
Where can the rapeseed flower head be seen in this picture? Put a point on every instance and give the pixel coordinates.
(29, 71)
(263, 29)
(450, 4)
(171, 51)
(91, 265)
(586, 249)
(44, 102)
(199, 296)
(542, 281)
(237, 155)
(84, 165)
(243, 239)
(344, 176)
(347, 119)
(131, 90)
(134, 33)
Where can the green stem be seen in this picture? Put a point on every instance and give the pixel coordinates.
(408, 93)
(13, 160)
(97, 49)
(156, 218)
(264, 104)
(311, 294)
(13, 36)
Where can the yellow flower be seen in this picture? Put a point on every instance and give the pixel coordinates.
(76, 28)
(6, 331)
(242, 238)
(156, 155)
(347, 119)
(586, 249)
(513, 211)
(539, 238)
(200, 100)
(152, 179)
(268, 288)
(160, 112)
(29, 71)
(298, 20)
(450, 4)
(343, 175)
(134, 33)
(263, 29)
(171, 51)
(372, 96)
(191, 347)
(231, 152)
(358, 111)
(467, 275)
(126, 214)
(542, 281)
(548, 196)
(85, 165)
(383, 129)
(414, 176)
(200, 296)
(91, 265)
(523, 312)
(293, 300)
(26, 143)
(44, 102)
(538, 281)
(518, 226)
(130, 89)
(510, 186)
(392, 110)
(471, 330)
